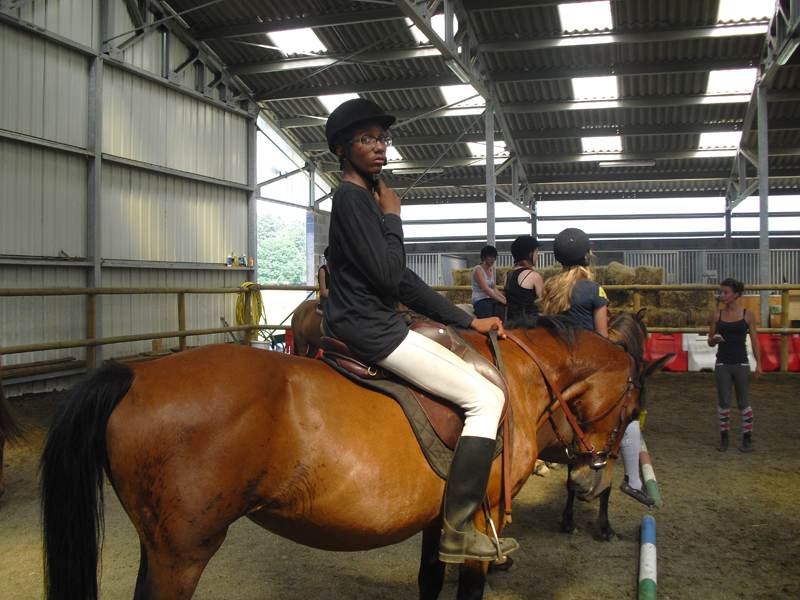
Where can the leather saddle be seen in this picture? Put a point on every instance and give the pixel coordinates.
(446, 418)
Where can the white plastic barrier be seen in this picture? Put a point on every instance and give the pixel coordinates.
(703, 357)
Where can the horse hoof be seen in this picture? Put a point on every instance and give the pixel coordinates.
(503, 566)
(568, 528)
(606, 535)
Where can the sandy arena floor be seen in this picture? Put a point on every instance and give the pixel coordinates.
(729, 528)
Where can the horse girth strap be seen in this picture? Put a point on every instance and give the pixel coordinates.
(506, 422)
(555, 393)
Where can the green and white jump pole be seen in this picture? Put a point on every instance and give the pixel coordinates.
(649, 476)
(647, 559)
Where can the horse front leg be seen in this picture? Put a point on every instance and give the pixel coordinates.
(431, 570)
(471, 580)
(568, 516)
(604, 532)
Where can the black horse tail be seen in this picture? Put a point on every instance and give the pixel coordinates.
(72, 468)
(9, 428)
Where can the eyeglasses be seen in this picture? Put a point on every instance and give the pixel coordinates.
(370, 140)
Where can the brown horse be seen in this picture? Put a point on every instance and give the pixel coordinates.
(306, 328)
(10, 431)
(629, 331)
(195, 441)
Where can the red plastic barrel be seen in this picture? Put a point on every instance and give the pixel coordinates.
(661, 344)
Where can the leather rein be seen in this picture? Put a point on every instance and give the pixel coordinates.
(597, 459)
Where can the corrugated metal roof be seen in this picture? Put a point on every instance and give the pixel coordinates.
(536, 82)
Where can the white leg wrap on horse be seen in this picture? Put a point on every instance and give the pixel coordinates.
(435, 369)
(629, 448)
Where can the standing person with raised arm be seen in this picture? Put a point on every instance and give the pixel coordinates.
(728, 329)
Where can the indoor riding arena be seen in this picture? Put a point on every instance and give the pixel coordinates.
(182, 184)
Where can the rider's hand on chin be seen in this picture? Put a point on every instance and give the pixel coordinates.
(488, 324)
(387, 199)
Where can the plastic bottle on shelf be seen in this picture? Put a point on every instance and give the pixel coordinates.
(242, 260)
(229, 260)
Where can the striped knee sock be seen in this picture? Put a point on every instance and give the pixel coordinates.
(747, 420)
(724, 419)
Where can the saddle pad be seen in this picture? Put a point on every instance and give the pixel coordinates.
(436, 452)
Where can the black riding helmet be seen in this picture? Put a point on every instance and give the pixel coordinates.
(354, 112)
(571, 246)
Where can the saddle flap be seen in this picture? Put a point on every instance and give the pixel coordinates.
(446, 418)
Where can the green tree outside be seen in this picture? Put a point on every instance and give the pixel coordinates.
(281, 250)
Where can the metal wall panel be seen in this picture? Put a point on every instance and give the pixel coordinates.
(30, 320)
(73, 19)
(146, 122)
(136, 314)
(148, 216)
(42, 201)
(45, 89)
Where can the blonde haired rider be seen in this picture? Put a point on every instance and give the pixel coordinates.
(573, 292)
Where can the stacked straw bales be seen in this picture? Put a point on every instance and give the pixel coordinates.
(664, 308)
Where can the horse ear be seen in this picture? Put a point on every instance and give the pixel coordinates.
(657, 365)
(640, 314)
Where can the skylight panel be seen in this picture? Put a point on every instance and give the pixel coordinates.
(744, 10)
(607, 143)
(593, 88)
(392, 153)
(586, 16)
(297, 41)
(478, 149)
(731, 81)
(331, 101)
(454, 93)
(437, 22)
(719, 139)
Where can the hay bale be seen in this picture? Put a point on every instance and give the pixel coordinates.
(500, 276)
(617, 298)
(649, 298)
(666, 317)
(649, 275)
(686, 300)
(549, 272)
(462, 276)
(697, 317)
(619, 274)
(600, 275)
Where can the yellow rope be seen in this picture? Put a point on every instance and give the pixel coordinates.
(257, 313)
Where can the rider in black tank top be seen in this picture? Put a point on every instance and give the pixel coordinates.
(521, 301)
(523, 284)
(732, 351)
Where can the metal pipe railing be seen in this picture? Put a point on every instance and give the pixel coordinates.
(90, 342)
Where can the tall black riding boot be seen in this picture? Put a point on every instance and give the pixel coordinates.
(466, 489)
(723, 441)
(747, 442)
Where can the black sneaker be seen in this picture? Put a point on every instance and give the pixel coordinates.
(639, 495)
(747, 443)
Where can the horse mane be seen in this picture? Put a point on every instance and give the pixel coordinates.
(627, 330)
(563, 327)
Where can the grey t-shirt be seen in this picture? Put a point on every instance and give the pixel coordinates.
(587, 295)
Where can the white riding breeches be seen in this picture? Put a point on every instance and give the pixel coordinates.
(434, 368)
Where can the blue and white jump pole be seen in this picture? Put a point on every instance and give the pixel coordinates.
(647, 559)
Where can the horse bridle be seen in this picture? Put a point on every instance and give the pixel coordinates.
(597, 459)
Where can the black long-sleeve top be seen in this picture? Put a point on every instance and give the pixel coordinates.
(368, 276)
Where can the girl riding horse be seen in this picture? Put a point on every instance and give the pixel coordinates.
(368, 277)
(573, 292)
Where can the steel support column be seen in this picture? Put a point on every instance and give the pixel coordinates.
(490, 173)
(252, 199)
(763, 194)
(311, 220)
